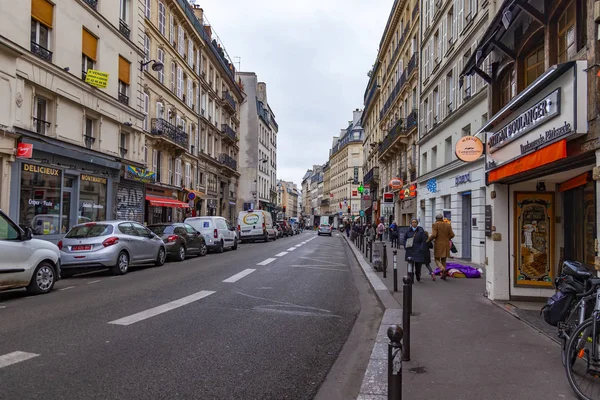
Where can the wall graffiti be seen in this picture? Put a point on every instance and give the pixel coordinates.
(130, 203)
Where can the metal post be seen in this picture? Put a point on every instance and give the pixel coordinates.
(395, 272)
(406, 289)
(384, 259)
(371, 252)
(395, 334)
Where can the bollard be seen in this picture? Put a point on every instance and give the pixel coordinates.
(395, 334)
(371, 252)
(406, 289)
(410, 270)
(395, 272)
(384, 259)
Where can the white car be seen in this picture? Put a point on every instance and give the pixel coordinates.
(25, 262)
(256, 225)
(217, 232)
(324, 229)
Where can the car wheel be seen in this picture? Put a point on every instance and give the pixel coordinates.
(203, 250)
(220, 247)
(43, 279)
(122, 264)
(235, 244)
(181, 254)
(162, 255)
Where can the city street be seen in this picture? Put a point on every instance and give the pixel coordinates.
(264, 322)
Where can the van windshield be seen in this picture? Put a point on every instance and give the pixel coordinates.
(89, 230)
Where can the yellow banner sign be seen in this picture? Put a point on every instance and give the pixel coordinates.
(96, 179)
(96, 78)
(41, 170)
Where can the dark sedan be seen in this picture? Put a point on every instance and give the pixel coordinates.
(181, 240)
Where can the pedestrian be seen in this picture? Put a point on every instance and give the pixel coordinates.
(394, 234)
(441, 234)
(380, 230)
(347, 229)
(415, 243)
(427, 251)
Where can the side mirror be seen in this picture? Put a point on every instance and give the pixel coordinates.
(28, 233)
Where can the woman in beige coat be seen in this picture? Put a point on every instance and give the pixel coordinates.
(441, 232)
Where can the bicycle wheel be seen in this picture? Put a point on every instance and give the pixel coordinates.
(569, 326)
(583, 372)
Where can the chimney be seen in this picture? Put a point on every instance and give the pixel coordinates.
(198, 12)
(208, 30)
(357, 114)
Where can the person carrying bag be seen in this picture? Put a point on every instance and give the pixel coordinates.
(415, 242)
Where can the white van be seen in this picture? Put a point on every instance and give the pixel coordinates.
(256, 225)
(217, 231)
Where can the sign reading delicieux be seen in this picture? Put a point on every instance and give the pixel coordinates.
(38, 169)
(95, 179)
(469, 148)
(541, 112)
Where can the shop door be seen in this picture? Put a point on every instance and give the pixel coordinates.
(466, 226)
(580, 224)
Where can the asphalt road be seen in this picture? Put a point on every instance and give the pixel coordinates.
(264, 322)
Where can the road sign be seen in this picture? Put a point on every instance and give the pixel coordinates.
(362, 213)
(341, 213)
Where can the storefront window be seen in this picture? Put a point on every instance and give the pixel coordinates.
(534, 65)
(505, 87)
(567, 34)
(40, 199)
(92, 198)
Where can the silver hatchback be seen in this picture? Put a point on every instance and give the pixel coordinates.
(113, 244)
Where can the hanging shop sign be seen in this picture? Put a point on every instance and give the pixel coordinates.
(469, 148)
(139, 174)
(38, 169)
(24, 150)
(396, 184)
(97, 79)
(354, 193)
(388, 197)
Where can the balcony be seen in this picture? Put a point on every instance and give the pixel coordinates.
(41, 52)
(412, 65)
(123, 98)
(228, 161)
(371, 176)
(398, 130)
(325, 202)
(229, 132)
(160, 127)
(124, 29)
(411, 120)
(92, 3)
(415, 11)
(229, 101)
(42, 127)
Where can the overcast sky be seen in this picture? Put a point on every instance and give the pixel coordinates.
(313, 55)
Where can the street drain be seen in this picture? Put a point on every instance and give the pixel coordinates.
(417, 370)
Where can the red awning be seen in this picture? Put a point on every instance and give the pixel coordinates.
(166, 202)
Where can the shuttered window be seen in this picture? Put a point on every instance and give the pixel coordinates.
(89, 44)
(124, 70)
(42, 11)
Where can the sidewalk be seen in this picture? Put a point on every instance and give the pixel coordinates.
(462, 345)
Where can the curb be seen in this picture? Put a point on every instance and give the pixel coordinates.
(374, 384)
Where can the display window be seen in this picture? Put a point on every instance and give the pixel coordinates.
(40, 199)
(92, 198)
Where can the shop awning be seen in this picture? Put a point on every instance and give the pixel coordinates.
(157, 201)
(543, 156)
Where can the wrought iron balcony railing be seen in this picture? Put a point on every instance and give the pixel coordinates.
(228, 161)
(41, 52)
(229, 131)
(229, 100)
(123, 98)
(41, 126)
(161, 127)
(371, 176)
(124, 29)
(92, 3)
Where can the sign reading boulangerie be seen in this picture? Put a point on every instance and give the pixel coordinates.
(541, 112)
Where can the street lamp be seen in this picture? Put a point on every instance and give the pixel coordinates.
(156, 65)
(350, 180)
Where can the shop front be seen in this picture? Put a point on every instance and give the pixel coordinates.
(407, 204)
(163, 206)
(131, 193)
(59, 187)
(539, 172)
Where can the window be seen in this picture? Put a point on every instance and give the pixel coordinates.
(89, 133)
(179, 82)
(448, 150)
(173, 74)
(505, 85)
(447, 202)
(147, 7)
(438, 47)
(450, 92)
(451, 26)
(424, 163)
(171, 29)
(161, 74)
(146, 155)
(436, 102)
(434, 158)
(466, 131)
(42, 15)
(41, 124)
(169, 170)
(162, 18)
(160, 110)
(534, 65)
(92, 198)
(146, 110)
(157, 159)
(123, 144)
(180, 40)
(89, 45)
(146, 51)
(190, 93)
(8, 231)
(190, 54)
(188, 175)
(198, 62)
(40, 200)
(427, 113)
(124, 73)
(177, 173)
(567, 33)
(124, 10)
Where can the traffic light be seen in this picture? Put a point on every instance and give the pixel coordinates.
(349, 210)
(284, 208)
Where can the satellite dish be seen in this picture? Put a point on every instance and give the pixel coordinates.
(157, 66)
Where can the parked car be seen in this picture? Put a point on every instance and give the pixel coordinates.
(25, 262)
(180, 240)
(324, 229)
(113, 244)
(287, 228)
(256, 225)
(218, 233)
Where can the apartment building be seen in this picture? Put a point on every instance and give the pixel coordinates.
(192, 108)
(451, 109)
(258, 147)
(287, 200)
(346, 165)
(305, 205)
(398, 114)
(76, 136)
(326, 204)
(542, 140)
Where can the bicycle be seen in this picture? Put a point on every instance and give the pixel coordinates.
(589, 372)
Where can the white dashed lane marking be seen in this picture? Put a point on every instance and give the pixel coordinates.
(15, 357)
(152, 312)
(267, 261)
(89, 283)
(283, 253)
(67, 288)
(291, 249)
(239, 276)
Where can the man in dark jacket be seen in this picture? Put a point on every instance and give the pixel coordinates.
(415, 251)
